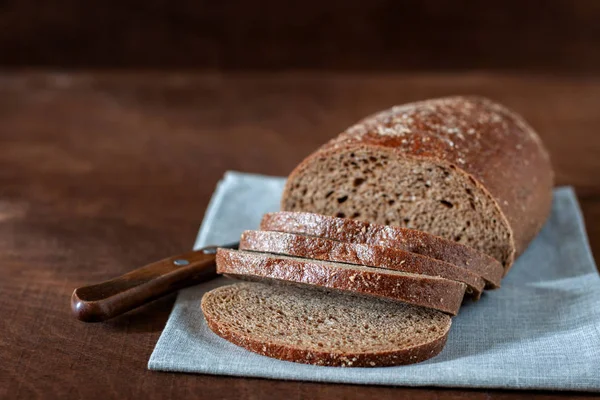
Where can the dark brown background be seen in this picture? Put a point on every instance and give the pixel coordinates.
(516, 35)
(117, 120)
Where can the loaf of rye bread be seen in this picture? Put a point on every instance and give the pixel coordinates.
(360, 254)
(421, 290)
(322, 328)
(353, 231)
(463, 168)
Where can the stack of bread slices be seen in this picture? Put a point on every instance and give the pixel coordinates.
(385, 230)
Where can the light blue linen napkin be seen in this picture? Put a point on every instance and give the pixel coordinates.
(541, 330)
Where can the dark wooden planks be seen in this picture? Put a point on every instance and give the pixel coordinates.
(100, 173)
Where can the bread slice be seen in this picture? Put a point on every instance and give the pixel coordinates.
(354, 231)
(321, 328)
(426, 291)
(360, 254)
(463, 168)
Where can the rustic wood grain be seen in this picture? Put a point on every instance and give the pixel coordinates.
(534, 35)
(100, 173)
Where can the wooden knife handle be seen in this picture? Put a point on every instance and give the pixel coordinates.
(114, 297)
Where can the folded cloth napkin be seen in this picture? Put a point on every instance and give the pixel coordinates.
(541, 330)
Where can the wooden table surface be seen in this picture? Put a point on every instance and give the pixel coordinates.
(103, 172)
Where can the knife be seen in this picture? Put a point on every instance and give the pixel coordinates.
(114, 297)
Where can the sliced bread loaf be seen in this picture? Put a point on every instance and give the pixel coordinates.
(421, 290)
(354, 231)
(321, 328)
(361, 254)
(463, 168)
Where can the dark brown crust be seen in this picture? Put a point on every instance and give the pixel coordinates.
(359, 254)
(296, 354)
(425, 291)
(494, 147)
(353, 231)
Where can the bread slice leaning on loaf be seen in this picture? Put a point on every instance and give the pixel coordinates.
(353, 231)
(425, 291)
(321, 328)
(360, 254)
(463, 168)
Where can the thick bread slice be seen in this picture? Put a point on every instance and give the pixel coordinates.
(321, 328)
(360, 254)
(425, 291)
(463, 168)
(353, 231)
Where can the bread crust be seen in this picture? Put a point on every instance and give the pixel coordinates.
(425, 291)
(475, 136)
(411, 240)
(297, 354)
(359, 254)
